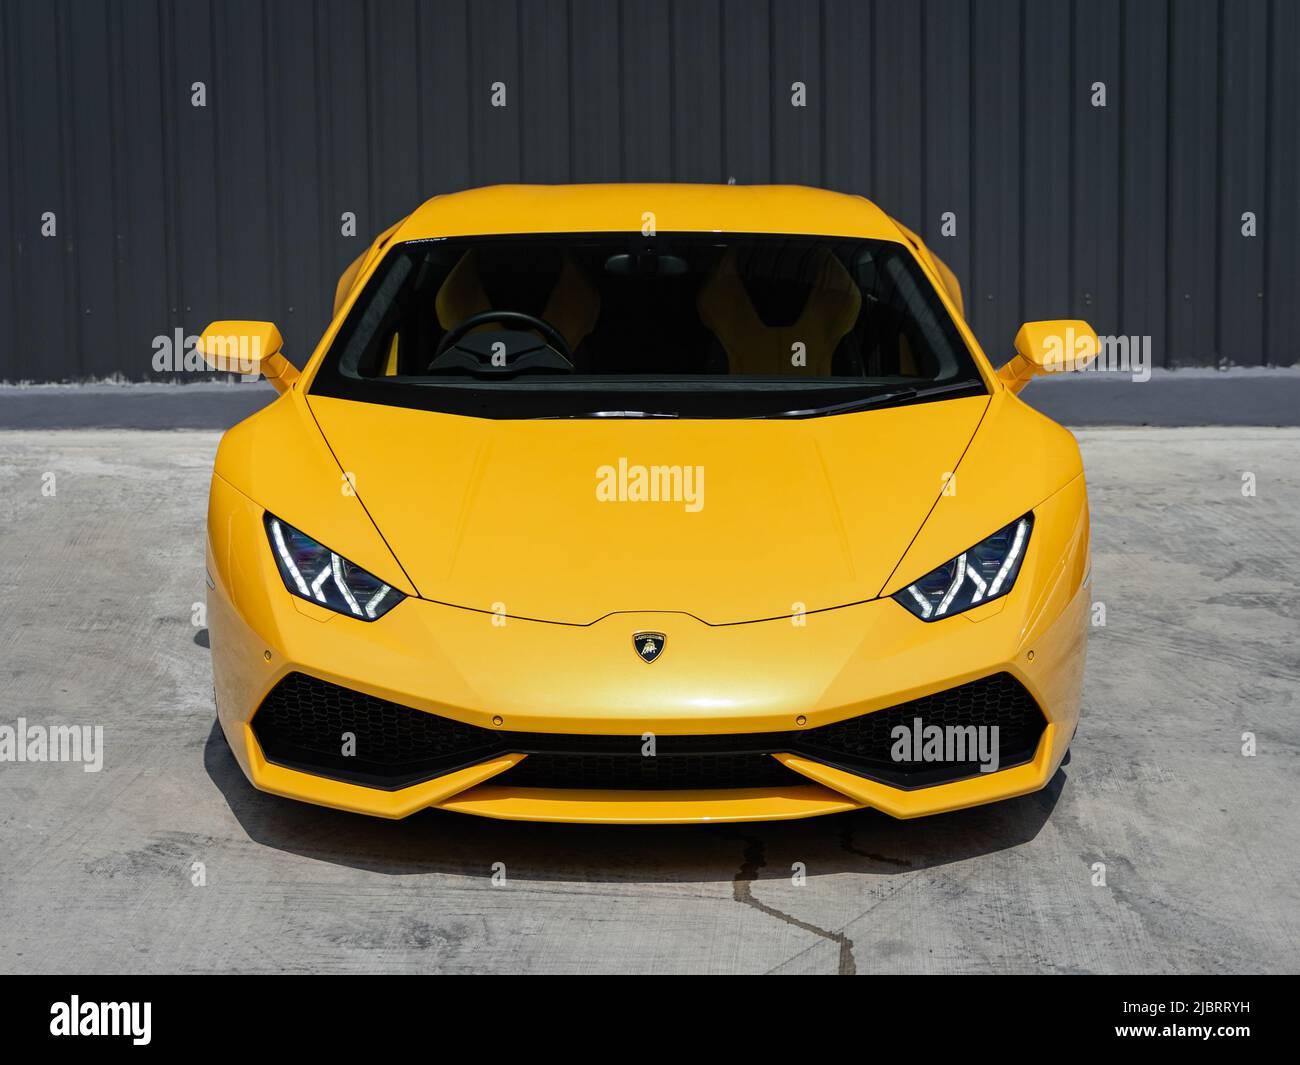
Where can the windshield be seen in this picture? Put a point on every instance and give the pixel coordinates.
(699, 325)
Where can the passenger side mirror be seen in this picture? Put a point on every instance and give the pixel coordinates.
(248, 348)
(1049, 347)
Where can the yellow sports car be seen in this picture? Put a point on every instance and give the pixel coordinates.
(648, 503)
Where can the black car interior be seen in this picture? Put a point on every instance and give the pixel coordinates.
(678, 305)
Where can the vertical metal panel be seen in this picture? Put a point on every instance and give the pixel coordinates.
(596, 71)
(646, 90)
(494, 49)
(896, 111)
(1192, 241)
(444, 88)
(170, 215)
(191, 62)
(11, 215)
(993, 285)
(40, 279)
(394, 63)
(1281, 221)
(1142, 112)
(946, 159)
(796, 42)
(303, 219)
(248, 226)
(746, 91)
(1243, 106)
(92, 216)
(1047, 209)
(346, 158)
(846, 140)
(144, 266)
(544, 90)
(1096, 171)
(696, 136)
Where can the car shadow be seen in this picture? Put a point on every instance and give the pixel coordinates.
(437, 841)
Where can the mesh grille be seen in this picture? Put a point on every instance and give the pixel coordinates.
(302, 722)
(864, 744)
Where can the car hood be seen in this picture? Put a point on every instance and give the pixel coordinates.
(544, 519)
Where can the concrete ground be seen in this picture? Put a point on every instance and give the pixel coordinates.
(1200, 843)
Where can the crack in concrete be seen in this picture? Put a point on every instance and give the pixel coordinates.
(754, 860)
(846, 841)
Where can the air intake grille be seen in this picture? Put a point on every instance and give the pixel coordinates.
(303, 721)
(865, 744)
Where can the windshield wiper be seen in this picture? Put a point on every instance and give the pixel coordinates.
(849, 405)
(878, 398)
(613, 414)
(893, 395)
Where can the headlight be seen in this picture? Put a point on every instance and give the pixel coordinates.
(313, 572)
(985, 572)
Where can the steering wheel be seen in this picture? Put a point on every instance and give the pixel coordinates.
(552, 335)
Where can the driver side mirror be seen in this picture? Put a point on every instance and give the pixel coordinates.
(248, 348)
(1049, 347)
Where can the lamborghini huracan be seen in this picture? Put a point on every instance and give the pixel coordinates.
(648, 503)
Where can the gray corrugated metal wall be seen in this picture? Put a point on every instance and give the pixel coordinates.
(169, 215)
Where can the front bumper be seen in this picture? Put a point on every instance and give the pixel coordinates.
(780, 676)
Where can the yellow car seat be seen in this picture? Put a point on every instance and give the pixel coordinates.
(752, 345)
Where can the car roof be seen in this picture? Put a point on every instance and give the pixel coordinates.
(500, 209)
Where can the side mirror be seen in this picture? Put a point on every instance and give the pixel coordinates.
(248, 348)
(1049, 347)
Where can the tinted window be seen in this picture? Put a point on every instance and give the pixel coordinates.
(693, 325)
